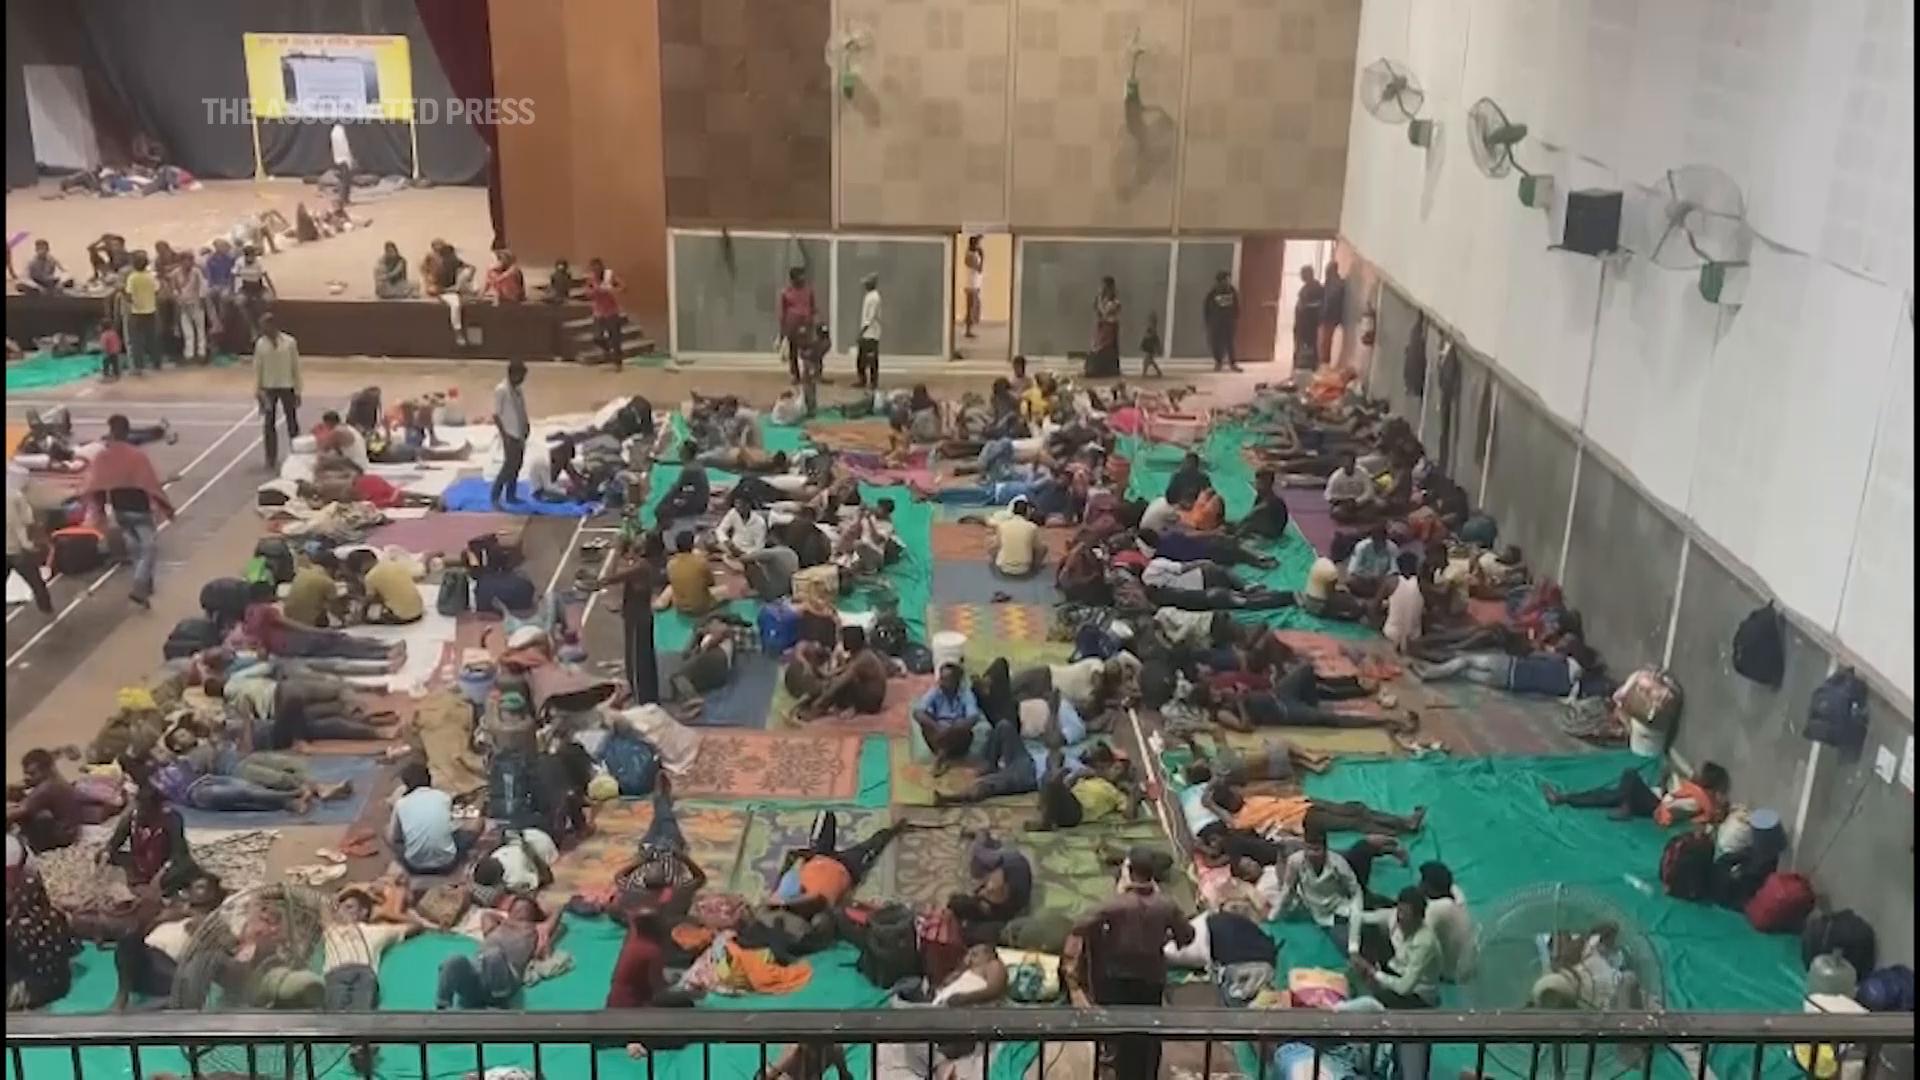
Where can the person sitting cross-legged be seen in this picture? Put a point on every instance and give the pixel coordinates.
(946, 716)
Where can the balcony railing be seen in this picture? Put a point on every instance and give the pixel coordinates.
(731, 1043)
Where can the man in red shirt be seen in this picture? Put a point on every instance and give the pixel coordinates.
(603, 292)
(640, 976)
(797, 317)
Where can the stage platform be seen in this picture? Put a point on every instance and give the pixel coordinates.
(336, 268)
(402, 328)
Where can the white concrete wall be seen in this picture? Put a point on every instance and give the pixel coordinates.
(1784, 430)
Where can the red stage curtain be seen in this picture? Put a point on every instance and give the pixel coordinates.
(463, 39)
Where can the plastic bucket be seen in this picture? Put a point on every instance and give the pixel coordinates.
(949, 647)
(1644, 740)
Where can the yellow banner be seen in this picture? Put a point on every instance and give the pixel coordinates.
(329, 77)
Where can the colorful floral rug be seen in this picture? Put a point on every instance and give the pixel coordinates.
(755, 765)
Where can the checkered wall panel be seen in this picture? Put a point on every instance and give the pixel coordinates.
(747, 102)
(923, 139)
(1269, 99)
(1082, 156)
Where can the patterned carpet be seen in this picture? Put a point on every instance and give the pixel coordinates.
(1069, 875)
(713, 840)
(1008, 622)
(752, 765)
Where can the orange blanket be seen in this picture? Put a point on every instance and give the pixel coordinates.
(763, 974)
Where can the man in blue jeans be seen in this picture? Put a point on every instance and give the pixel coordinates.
(121, 482)
(491, 978)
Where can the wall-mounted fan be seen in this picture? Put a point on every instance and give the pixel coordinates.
(844, 51)
(1392, 95)
(1700, 217)
(1492, 137)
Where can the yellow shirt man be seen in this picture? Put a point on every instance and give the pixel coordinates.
(143, 292)
(392, 588)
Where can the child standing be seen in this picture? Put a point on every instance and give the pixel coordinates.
(1150, 347)
(111, 348)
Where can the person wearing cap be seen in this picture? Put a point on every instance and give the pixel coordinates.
(1015, 546)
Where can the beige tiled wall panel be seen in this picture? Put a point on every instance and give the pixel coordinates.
(1268, 103)
(923, 139)
(1081, 156)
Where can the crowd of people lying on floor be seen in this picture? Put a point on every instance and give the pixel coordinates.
(502, 770)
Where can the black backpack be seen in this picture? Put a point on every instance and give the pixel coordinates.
(224, 600)
(890, 635)
(278, 557)
(1686, 866)
(1844, 932)
(891, 950)
(1837, 715)
(190, 635)
(1760, 647)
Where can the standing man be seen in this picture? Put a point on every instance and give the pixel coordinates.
(1106, 329)
(866, 360)
(189, 286)
(976, 260)
(143, 314)
(797, 317)
(510, 419)
(23, 545)
(1128, 936)
(634, 575)
(276, 375)
(1222, 318)
(603, 292)
(1333, 311)
(121, 483)
(342, 158)
(1306, 319)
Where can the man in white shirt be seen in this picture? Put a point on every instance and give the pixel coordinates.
(1016, 548)
(22, 557)
(1448, 916)
(510, 420)
(743, 530)
(1320, 881)
(342, 154)
(1350, 491)
(1407, 606)
(351, 950)
(866, 362)
(1160, 515)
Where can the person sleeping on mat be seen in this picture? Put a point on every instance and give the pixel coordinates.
(1568, 670)
(1289, 701)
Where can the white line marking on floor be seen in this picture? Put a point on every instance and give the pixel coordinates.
(177, 477)
(566, 555)
(107, 574)
(18, 402)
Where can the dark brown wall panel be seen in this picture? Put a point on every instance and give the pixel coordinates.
(747, 104)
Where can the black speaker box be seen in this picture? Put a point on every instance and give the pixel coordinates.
(1593, 222)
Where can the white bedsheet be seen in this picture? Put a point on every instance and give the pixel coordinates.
(426, 641)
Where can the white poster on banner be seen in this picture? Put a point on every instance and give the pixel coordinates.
(1906, 767)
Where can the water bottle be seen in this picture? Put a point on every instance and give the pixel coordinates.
(1830, 973)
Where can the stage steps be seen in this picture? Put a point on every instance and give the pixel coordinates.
(634, 342)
